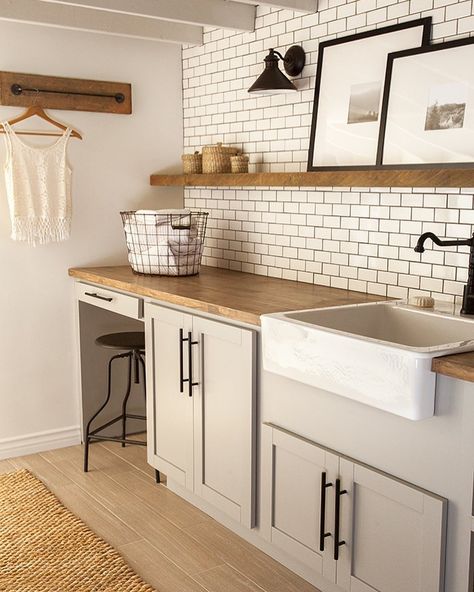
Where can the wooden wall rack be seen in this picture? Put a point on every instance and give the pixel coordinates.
(423, 177)
(73, 94)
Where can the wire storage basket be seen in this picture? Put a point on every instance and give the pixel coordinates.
(165, 242)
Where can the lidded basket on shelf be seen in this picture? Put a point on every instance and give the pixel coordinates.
(192, 163)
(216, 158)
(239, 163)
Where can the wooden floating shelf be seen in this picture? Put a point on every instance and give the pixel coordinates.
(388, 177)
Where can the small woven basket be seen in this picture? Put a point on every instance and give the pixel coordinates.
(192, 163)
(216, 159)
(239, 163)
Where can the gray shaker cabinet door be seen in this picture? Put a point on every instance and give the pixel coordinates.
(225, 418)
(293, 513)
(394, 534)
(169, 411)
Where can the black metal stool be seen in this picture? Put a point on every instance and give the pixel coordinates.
(133, 342)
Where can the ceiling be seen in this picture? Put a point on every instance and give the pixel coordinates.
(175, 21)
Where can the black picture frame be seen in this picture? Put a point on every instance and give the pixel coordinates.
(424, 23)
(391, 59)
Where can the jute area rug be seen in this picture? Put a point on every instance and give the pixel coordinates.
(45, 548)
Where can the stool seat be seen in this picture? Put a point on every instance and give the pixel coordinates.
(128, 340)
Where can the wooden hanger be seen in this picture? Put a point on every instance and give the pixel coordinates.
(39, 111)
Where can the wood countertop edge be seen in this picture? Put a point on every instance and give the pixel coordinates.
(459, 366)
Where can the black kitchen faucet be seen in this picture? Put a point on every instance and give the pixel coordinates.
(468, 294)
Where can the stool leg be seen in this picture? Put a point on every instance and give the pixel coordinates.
(125, 400)
(88, 427)
(157, 476)
(86, 452)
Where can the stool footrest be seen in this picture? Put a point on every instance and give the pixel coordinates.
(118, 439)
(133, 416)
(112, 421)
(105, 425)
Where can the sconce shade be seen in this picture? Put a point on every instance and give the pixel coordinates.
(272, 80)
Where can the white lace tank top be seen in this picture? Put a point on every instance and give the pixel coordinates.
(38, 185)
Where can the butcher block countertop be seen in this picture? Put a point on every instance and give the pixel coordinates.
(244, 297)
(230, 294)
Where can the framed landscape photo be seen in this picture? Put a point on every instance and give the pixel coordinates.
(348, 94)
(428, 106)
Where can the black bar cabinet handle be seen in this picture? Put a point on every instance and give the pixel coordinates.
(190, 362)
(337, 542)
(182, 380)
(322, 525)
(95, 295)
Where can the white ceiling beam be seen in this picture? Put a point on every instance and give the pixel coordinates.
(225, 14)
(98, 21)
(298, 5)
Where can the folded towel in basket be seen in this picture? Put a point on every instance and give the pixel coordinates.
(183, 211)
(177, 211)
(162, 261)
(157, 217)
(145, 217)
(141, 236)
(177, 226)
(186, 248)
(156, 227)
(158, 259)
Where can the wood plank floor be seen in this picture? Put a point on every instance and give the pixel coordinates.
(170, 543)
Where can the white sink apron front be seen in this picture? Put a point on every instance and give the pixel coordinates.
(379, 354)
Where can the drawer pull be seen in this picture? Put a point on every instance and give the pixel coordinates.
(322, 521)
(95, 295)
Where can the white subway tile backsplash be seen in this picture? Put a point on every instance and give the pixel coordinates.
(466, 25)
(349, 238)
(397, 292)
(466, 217)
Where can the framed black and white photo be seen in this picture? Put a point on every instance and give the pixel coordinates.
(348, 94)
(428, 106)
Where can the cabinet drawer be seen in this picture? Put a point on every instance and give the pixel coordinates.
(129, 306)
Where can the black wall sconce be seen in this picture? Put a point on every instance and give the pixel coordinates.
(272, 80)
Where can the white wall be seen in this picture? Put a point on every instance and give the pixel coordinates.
(352, 238)
(111, 167)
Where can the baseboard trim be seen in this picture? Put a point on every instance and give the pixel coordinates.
(39, 442)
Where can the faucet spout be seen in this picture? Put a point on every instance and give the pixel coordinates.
(420, 248)
(468, 294)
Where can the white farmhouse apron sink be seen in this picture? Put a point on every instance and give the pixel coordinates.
(378, 353)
